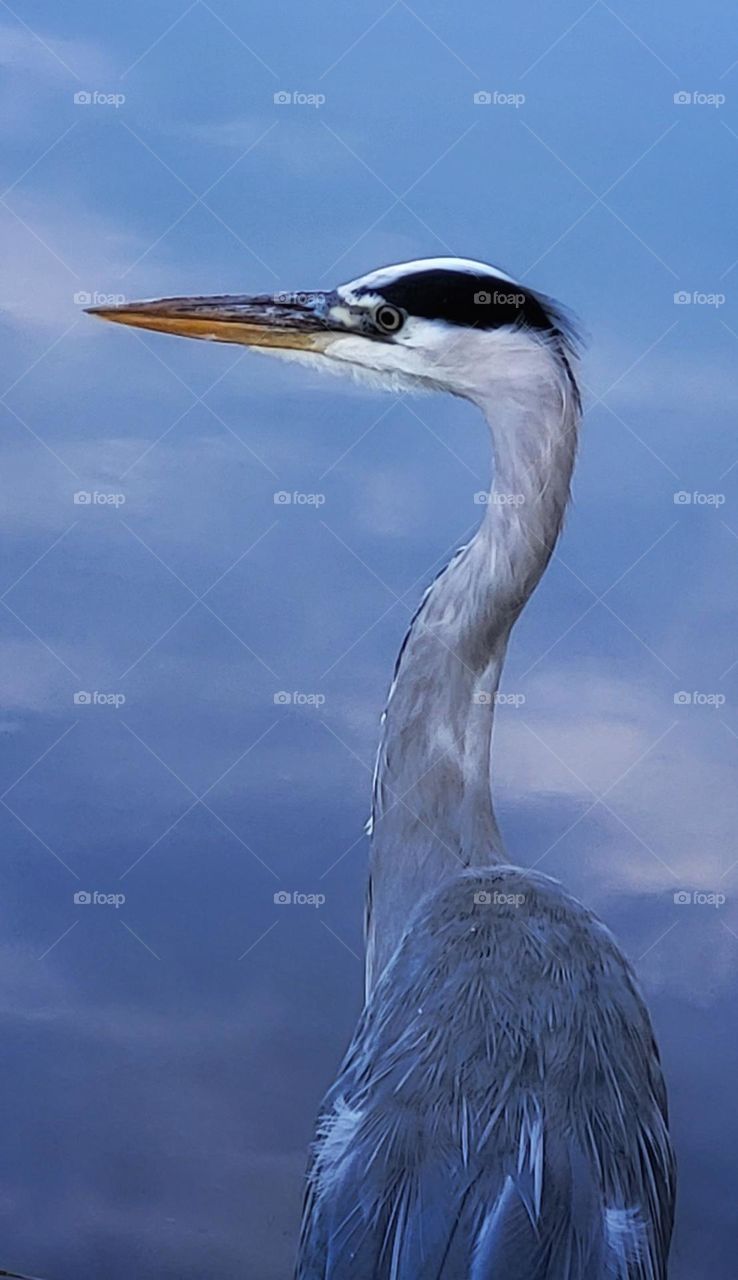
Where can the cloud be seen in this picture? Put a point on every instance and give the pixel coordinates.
(579, 732)
(46, 58)
(55, 261)
(294, 143)
(36, 70)
(667, 382)
(194, 1213)
(31, 680)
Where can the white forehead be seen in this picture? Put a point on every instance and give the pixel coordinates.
(384, 276)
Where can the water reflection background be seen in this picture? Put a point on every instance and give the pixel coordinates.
(164, 1057)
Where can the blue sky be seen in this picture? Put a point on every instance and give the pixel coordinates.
(166, 1056)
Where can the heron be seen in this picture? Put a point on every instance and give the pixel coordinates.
(501, 1112)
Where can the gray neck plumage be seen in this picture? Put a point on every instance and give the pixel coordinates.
(432, 809)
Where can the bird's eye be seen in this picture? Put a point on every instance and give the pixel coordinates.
(389, 318)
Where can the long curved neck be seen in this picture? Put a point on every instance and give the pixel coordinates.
(432, 809)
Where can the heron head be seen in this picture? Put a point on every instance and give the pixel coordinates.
(436, 323)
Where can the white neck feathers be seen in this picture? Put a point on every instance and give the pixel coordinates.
(432, 810)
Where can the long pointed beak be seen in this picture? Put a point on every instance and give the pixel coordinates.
(293, 320)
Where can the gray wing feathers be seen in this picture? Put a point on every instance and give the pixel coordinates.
(371, 1223)
(500, 1114)
(508, 1244)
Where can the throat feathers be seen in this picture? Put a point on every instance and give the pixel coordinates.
(432, 812)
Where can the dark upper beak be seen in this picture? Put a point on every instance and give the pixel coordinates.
(299, 320)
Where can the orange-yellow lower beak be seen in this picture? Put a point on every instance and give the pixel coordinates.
(297, 321)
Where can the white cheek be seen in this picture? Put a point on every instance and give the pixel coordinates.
(415, 355)
(381, 356)
(310, 359)
(354, 364)
(380, 364)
